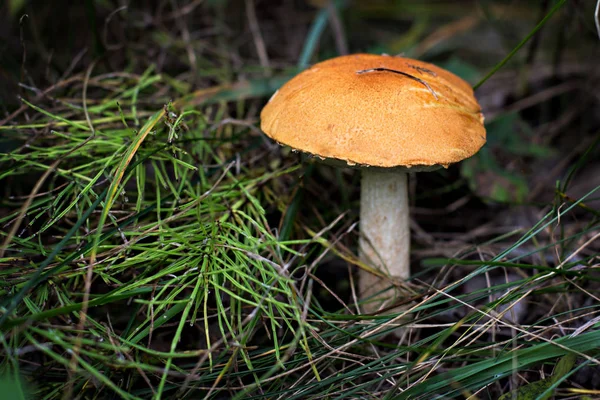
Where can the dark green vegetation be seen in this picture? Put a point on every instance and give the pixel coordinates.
(154, 244)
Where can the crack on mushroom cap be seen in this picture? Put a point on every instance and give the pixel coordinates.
(382, 69)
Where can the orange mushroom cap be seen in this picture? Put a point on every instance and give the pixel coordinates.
(379, 111)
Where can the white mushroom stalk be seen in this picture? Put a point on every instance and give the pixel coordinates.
(384, 233)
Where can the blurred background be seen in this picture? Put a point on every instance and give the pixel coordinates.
(541, 108)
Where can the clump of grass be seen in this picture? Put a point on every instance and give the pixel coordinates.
(187, 248)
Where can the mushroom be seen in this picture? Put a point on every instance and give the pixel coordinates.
(387, 116)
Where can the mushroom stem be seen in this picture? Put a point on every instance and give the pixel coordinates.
(385, 232)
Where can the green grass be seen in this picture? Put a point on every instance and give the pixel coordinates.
(186, 238)
(154, 244)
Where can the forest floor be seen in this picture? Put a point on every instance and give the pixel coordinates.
(155, 244)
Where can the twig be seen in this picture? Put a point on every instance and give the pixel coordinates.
(381, 69)
(105, 31)
(185, 35)
(339, 34)
(188, 8)
(583, 246)
(44, 93)
(597, 18)
(259, 43)
(26, 205)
